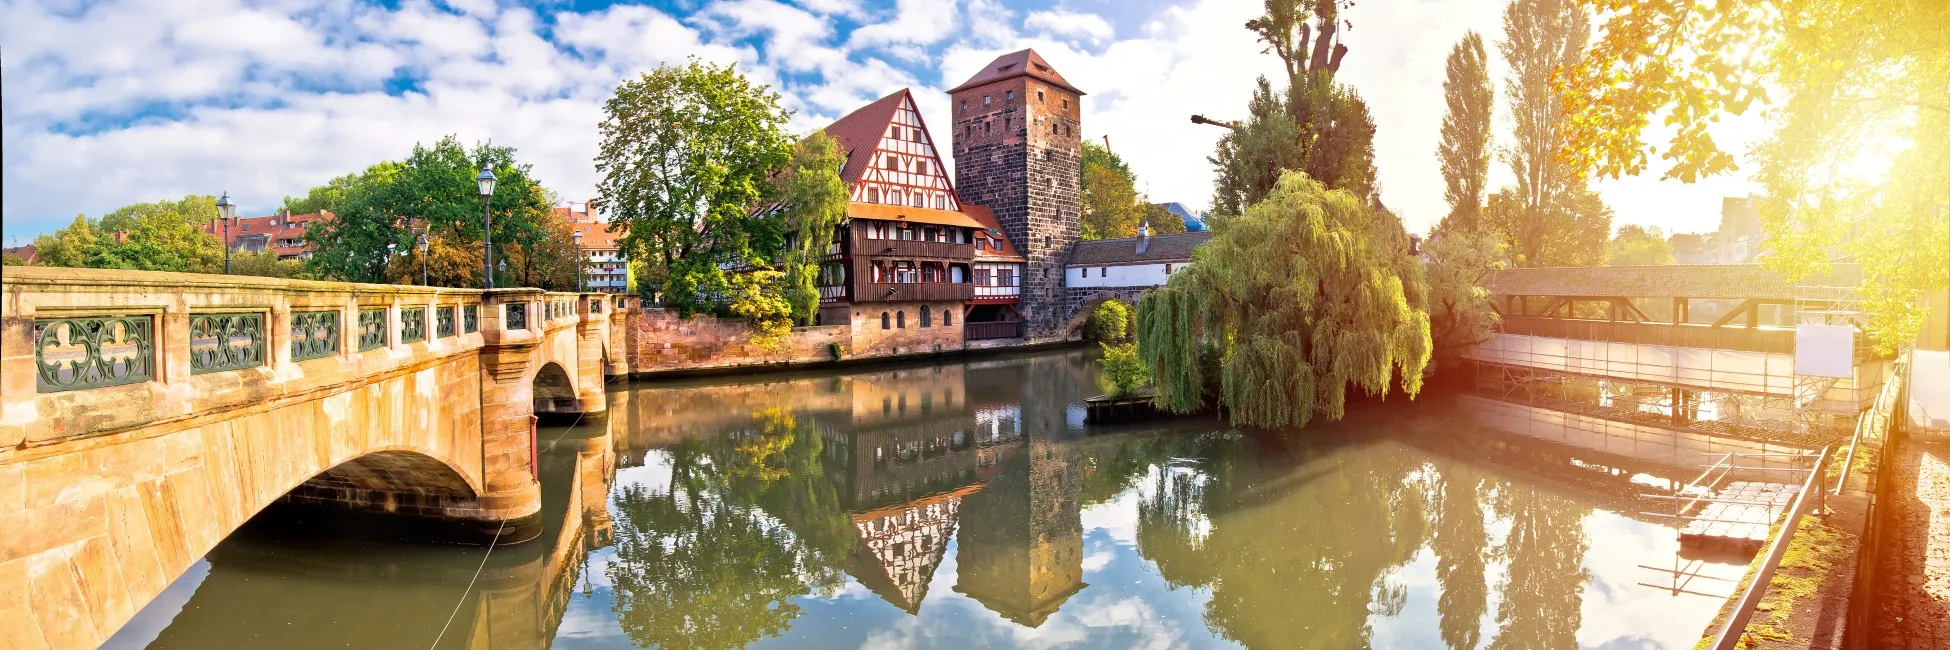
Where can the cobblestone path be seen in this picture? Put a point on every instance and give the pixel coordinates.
(1914, 566)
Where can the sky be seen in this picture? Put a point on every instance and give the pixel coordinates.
(109, 102)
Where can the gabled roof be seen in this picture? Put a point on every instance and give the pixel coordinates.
(1017, 64)
(1161, 249)
(860, 131)
(992, 230)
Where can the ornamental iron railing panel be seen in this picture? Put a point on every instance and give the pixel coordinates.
(221, 342)
(517, 316)
(443, 322)
(314, 334)
(372, 329)
(412, 324)
(470, 319)
(77, 353)
(596, 306)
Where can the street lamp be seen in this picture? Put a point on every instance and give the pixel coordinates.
(486, 181)
(390, 248)
(423, 259)
(226, 211)
(578, 238)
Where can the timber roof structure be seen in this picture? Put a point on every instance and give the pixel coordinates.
(1728, 281)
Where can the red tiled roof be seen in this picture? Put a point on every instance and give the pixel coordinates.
(1016, 64)
(277, 228)
(992, 230)
(860, 131)
(596, 235)
(27, 253)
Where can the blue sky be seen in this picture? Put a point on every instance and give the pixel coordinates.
(108, 102)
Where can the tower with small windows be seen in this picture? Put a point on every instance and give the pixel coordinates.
(1018, 151)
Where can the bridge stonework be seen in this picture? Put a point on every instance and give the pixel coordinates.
(144, 416)
(1078, 301)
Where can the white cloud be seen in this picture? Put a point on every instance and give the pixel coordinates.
(133, 100)
(1087, 27)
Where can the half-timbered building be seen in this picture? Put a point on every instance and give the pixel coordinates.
(912, 264)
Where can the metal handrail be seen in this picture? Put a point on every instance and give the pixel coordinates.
(1729, 635)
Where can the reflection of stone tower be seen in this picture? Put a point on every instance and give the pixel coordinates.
(1020, 549)
(1018, 151)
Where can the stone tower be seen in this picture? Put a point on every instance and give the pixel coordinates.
(1018, 150)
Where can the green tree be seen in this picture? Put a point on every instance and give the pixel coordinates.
(1637, 245)
(265, 264)
(1461, 547)
(1109, 321)
(815, 200)
(324, 198)
(1850, 81)
(1465, 148)
(1124, 372)
(1101, 156)
(1301, 296)
(160, 236)
(433, 191)
(1460, 315)
(687, 154)
(68, 246)
(757, 295)
(1551, 216)
(1110, 204)
(1315, 125)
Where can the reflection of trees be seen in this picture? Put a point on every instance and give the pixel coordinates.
(1295, 546)
(701, 565)
(1543, 589)
(1460, 544)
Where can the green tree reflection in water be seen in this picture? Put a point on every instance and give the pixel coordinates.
(1542, 591)
(1461, 546)
(1295, 550)
(697, 567)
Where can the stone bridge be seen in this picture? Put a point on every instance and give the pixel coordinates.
(144, 416)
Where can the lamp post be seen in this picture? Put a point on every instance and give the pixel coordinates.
(423, 259)
(390, 249)
(226, 211)
(486, 181)
(578, 238)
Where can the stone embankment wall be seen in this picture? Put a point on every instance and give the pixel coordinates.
(659, 341)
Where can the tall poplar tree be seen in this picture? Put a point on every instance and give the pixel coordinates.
(1465, 148)
(1305, 294)
(1552, 217)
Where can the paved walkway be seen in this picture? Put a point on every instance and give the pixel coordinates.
(1914, 566)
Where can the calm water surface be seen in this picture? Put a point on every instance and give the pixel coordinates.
(965, 505)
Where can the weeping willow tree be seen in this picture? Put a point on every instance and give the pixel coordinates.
(1308, 292)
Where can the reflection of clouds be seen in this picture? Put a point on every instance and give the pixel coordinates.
(654, 475)
(1621, 613)
(1116, 517)
(1097, 559)
(590, 619)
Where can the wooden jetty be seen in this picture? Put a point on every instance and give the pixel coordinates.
(1713, 513)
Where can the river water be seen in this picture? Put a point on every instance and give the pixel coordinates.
(966, 505)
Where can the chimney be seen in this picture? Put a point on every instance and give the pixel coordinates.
(1144, 236)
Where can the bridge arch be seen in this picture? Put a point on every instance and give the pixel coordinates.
(555, 390)
(393, 480)
(1080, 310)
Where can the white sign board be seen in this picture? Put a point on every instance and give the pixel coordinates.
(1824, 351)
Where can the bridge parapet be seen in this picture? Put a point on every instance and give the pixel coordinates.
(88, 352)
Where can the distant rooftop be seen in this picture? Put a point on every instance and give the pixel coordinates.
(1161, 249)
(1194, 221)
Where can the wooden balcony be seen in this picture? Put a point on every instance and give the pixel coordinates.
(1775, 340)
(909, 291)
(1008, 329)
(911, 249)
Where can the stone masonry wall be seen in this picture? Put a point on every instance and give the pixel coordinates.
(661, 341)
(1019, 154)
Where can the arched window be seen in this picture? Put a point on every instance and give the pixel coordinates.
(947, 317)
(883, 320)
(900, 319)
(925, 321)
